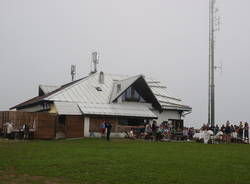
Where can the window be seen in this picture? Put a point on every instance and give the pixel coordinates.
(98, 89)
(132, 95)
(131, 122)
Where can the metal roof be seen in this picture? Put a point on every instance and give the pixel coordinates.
(128, 110)
(47, 89)
(85, 91)
(88, 90)
(67, 108)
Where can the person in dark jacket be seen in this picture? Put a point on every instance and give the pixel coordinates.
(241, 131)
(109, 128)
(26, 129)
(154, 130)
(246, 132)
(227, 132)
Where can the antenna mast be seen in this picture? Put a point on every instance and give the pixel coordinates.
(73, 72)
(95, 61)
(214, 23)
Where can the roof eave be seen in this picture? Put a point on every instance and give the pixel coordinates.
(177, 108)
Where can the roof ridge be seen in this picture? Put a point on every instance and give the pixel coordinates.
(130, 77)
(49, 85)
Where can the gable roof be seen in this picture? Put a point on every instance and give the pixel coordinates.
(124, 84)
(85, 91)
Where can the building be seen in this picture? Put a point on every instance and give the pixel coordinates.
(82, 105)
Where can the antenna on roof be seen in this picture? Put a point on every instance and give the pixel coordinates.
(73, 72)
(95, 61)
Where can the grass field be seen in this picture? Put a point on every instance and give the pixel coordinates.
(123, 161)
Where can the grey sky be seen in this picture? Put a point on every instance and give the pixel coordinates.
(164, 39)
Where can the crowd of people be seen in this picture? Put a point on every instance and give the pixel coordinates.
(169, 131)
(164, 131)
(229, 132)
(11, 132)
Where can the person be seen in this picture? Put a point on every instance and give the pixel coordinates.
(102, 129)
(132, 134)
(227, 132)
(109, 128)
(241, 131)
(148, 128)
(222, 128)
(190, 133)
(154, 130)
(147, 131)
(9, 130)
(185, 133)
(216, 129)
(26, 128)
(246, 132)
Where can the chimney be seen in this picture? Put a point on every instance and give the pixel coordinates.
(118, 87)
(101, 78)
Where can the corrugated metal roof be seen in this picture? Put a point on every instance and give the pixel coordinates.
(166, 99)
(85, 91)
(124, 109)
(67, 108)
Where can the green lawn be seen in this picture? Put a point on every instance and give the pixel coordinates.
(123, 161)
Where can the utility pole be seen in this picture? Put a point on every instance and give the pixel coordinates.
(214, 22)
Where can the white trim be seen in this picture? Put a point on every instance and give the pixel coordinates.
(86, 126)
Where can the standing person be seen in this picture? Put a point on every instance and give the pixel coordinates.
(241, 131)
(154, 130)
(26, 129)
(9, 130)
(109, 128)
(102, 129)
(222, 128)
(228, 132)
(246, 132)
(147, 131)
(216, 129)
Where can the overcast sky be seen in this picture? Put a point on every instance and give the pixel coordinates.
(163, 39)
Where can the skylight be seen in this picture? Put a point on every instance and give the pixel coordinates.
(98, 89)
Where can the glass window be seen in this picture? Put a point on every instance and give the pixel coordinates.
(132, 95)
